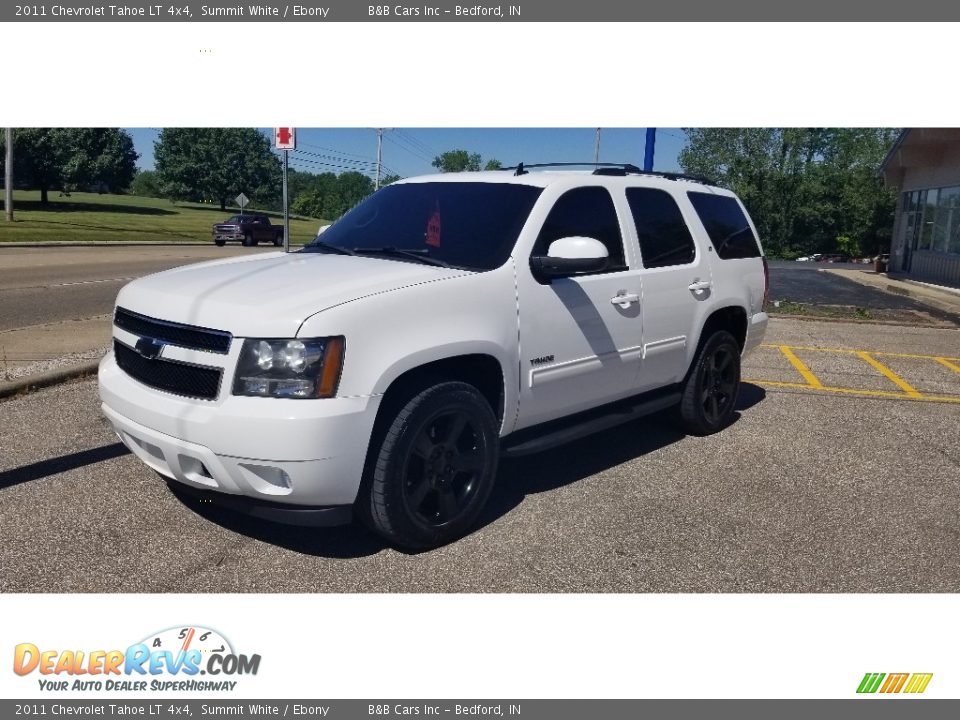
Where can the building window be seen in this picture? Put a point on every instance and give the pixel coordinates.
(931, 219)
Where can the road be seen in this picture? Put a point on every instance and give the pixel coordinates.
(48, 285)
(848, 484)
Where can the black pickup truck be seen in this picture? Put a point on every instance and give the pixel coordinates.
(248, 229)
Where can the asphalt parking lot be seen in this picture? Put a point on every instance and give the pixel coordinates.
(840, 474)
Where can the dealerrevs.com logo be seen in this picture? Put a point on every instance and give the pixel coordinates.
(173, 659)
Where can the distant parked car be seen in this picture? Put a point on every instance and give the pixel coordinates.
(835, 258)
(810, 258)
(248, 229)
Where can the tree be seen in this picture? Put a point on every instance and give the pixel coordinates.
(216, 163)
(460, 161)
(146, 184)
(329, 196)
(493, 164)
(68, 158)
(804, 187)
(389, 180)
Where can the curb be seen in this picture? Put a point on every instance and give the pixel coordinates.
(944, 301)
(51, 377)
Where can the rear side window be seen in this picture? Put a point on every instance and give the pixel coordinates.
(664, 237)
(726, 225)
(584, 212)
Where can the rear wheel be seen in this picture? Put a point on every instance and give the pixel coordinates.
(710, 390)
(278, 241)
(434, 467)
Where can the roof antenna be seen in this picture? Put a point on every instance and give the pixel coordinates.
(520, 170)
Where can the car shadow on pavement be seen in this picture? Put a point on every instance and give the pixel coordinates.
(53, 466)
(568, 464)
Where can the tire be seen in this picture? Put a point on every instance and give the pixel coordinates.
(710, 389)
(433, 468)
(247, 240)
(278, 241)
(220, 243)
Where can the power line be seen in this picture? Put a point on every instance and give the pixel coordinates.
(409, 149)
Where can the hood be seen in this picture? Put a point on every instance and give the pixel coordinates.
(269, 295)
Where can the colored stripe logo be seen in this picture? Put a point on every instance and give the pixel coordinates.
(913, 683)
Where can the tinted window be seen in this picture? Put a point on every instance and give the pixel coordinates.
(466, 224)
(664, 236)
(584, 212)
(726, 225)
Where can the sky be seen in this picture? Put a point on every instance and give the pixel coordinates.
(409, 151)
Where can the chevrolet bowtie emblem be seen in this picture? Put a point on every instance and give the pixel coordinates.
(149, 347)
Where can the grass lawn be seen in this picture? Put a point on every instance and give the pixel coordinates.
(92, 217)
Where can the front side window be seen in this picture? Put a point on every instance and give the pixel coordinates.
(664, 236)
(726, 224)
(584, 212)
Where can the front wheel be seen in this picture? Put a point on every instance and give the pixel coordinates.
(710, 390)
(247, 240)
(220, 243)
(434, 468)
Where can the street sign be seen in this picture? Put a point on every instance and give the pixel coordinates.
(285, 138)
(242, 200)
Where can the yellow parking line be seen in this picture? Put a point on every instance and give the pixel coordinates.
(863, 393)
(872, 352)
(801, 368)
(947, 363)
(889, 374)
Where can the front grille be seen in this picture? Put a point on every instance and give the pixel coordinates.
(169, 375)
(186, 336)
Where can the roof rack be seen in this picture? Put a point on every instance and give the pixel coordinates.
(618, 169)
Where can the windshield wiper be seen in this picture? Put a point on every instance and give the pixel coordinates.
(422, 255)
(321, 245)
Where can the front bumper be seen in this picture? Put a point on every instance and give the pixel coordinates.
(228, 236)
(296, 453)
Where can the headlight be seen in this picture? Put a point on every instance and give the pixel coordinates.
(289, 368)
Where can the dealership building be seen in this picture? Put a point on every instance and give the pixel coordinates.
(924, 167)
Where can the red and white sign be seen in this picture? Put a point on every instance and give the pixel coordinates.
(285, 138)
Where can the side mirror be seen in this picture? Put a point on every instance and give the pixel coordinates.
(570, 256)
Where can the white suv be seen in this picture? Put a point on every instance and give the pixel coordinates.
(445, 321)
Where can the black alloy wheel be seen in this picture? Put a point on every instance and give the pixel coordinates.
(710, 390)
(719, 380)
(431, 466)
(442, 468)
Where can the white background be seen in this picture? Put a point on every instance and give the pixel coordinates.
(484, 74)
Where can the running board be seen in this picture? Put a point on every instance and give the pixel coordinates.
(560, 432)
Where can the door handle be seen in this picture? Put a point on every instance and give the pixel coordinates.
(698, 285)
(624, 300)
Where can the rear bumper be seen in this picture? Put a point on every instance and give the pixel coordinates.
(756, 329)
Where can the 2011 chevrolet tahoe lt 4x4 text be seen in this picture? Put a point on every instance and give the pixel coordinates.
(445, 321)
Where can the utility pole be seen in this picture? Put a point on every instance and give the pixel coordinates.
(596, 148)
(376, 184)
(8, 177)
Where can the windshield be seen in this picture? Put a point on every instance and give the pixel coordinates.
(238, 219)
(465, 224)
